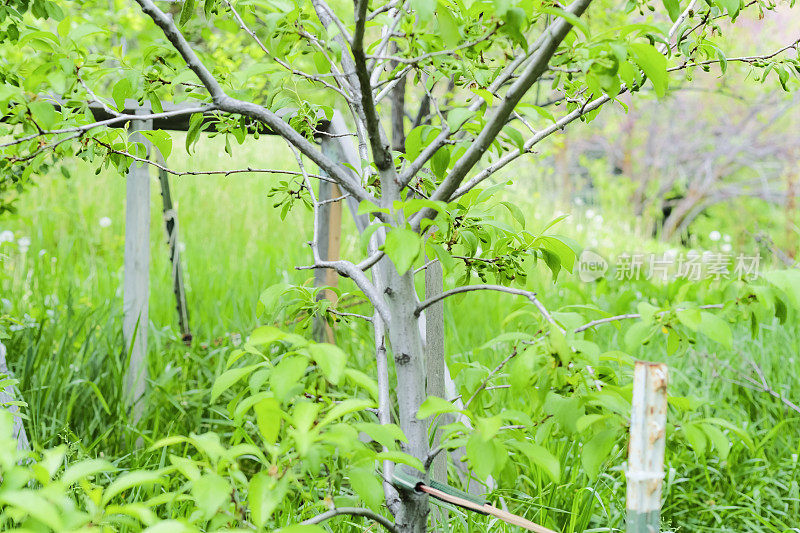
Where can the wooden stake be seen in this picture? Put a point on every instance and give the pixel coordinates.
(434, 364)
(178, 287)
(137, 275)
(646, 449)
(329, 232)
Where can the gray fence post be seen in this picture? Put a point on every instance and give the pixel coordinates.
(645, 473)
(137, 273)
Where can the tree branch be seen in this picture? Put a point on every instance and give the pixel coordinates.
(119, 118)
(281, 62)
(500, 288)
(353, 511)
(249, 109)
(538, 65)
(381, 152)
(344, 268)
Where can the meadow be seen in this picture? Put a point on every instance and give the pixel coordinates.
(61, 278)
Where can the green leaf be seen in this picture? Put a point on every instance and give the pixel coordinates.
(434, 405)
(481, 456)
(731, 6)
(413, 147)
(653, 64)
(264, 494)
(265, 335)
(268, 419)
(85, 469)
(716, 329)
(568, 16)
(718, 439)
(424, 9)
(137, 478)
(673, 9)
(44, 114)
(403, 246)
(161, 140)
(787, 281)
(287, 375)
(330, 359)
(448, 27)
(396, 456)
(440, 160)
(458, 116)
(562, 247)
(34, 505)
(169, 526)
(386, 435)
(302, 528)
(229, 378)
(122, 91)
(636, 334)
(195, 127)
(515, 20)
(697, 438)
(362, 380)
(541, 457)
(210, 492)
(565, 410)
(516, 212)
(367, 485)
(690, 318)
(597, 450)
(186, 11)
(345, 407)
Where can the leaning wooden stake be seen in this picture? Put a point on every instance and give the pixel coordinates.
(646, 449)
(178, 287)
(137, 275)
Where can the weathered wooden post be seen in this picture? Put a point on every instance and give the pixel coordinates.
(645, 473)
(335, 145)
(171, 225)
(434, 365)
(137, 272)
(329, 232)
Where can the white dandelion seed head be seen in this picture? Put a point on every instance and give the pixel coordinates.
(715, 235)
(6, 236)
(104, 222)
(24, 243)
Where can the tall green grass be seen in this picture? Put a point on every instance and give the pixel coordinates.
(69, 355)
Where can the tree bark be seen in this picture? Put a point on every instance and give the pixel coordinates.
(406, 343)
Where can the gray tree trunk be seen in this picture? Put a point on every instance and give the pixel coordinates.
(406, 342)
